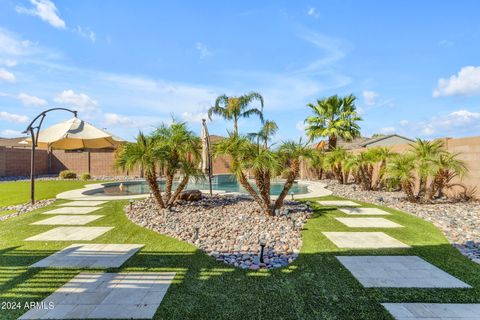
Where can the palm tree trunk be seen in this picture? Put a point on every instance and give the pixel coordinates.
(168, 187)
(235, 126)
(153, 184)
(292, 175)
(244, 182)
(179, 190)
(332, 142)
(262, 180)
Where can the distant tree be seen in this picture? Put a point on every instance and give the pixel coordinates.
(234, 108)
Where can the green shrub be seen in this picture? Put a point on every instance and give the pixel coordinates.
(85, 176)
(67, 174)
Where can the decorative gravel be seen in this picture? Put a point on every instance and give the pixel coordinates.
(24, 208)
(459, 221)
(229, 228)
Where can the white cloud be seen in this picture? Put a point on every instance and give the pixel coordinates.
(29, 100)
(8, 62)
(6, 75)
(312, 12)
(202, 50)
(80, 101)
(86, 33)
(116, 119)
(8, 133)
(466, 82)
(11, 117)
(387, 130)
(194, 117)
(370, 97)
(455, 123)
(45, 10)
(301, 126)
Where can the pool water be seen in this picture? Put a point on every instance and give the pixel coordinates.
(227, 184)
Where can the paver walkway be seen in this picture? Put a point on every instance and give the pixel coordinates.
(73, 210)
(90, 256)
(84, 203)
(364, 240)
(368, 223)
(365, 211)
(433, 311)
(125, 295)
(68, 220)
(70, 234)
(398, 272)
(338, 203)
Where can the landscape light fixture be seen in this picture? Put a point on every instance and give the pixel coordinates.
(131, 204)
(34, 133)
(263, 243)
(291, 193)
(197, 231)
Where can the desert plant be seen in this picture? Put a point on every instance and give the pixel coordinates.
(333, 117)
(180, 150)
(234, 108)
(67, 174)
(144, 153)
(85, 176)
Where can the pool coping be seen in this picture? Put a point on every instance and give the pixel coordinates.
(315, 188)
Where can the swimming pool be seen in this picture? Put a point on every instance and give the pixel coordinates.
(225, 183)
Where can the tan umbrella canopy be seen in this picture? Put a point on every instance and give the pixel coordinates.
(75, 134)
(205, 156)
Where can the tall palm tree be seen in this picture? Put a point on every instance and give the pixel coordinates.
(268, 129)
(143, 153)
(234, 108)
(290, 154)
(334, 117)
(181, 148)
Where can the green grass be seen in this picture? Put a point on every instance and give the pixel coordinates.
(315, 286)
(17, 192)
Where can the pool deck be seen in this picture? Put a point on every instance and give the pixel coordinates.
(316, 189)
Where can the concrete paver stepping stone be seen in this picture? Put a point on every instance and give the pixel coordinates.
(398, 272)
(125, 295)
(364, 211)
(368, 223)
(338, 203)
(68, 219)
(364, 240)
(90, 256)
(70, 234)
(85, 203)
(73, 210)
(440, 311)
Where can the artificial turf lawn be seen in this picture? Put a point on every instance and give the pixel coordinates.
(17, 192)
(315, 286)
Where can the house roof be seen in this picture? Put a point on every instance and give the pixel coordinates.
(368, 142)
(12, 142)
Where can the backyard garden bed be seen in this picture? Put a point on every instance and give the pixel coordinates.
(230, 228)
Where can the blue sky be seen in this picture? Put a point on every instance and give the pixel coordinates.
(129, 65)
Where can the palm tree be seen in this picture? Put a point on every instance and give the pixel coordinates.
(181, 148)
(249, 157)
(268, 129)
(334, 117)
(446, 167)
(143, 153)
(381, 155)
(425, 153)
(318, 163)
(290, 154)
(234, 108)
(335, 159)
(401, 168)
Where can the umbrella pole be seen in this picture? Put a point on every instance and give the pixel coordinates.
(32, 168)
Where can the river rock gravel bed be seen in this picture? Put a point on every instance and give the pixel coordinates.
(459, 221)
(229, 228)
(24, 208)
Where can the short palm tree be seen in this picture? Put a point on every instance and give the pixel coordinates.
(318, 163)
(181, 148)
(334, 117)
(144, 153)
(445, 167)
(426, 152)
(401, 168)
(290, 155)
(234, 108)
(335, 159)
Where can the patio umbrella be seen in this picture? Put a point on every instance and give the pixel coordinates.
(206, 159)
(75, 134)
